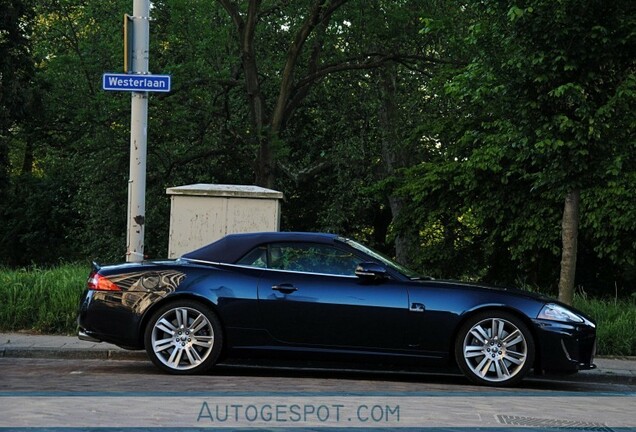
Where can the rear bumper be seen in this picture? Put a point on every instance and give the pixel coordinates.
(82, 335)
(105, 317)
(565, 348)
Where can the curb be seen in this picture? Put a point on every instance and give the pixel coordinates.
(55, 353)
(610, 377)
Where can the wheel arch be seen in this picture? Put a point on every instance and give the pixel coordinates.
(498, 308)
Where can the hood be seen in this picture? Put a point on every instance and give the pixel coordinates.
(483, 286)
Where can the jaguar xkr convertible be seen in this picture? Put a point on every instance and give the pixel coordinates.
(321, 297)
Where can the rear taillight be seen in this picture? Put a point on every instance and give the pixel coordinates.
(97, 282)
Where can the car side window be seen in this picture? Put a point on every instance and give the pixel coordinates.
(256, 258)
(303, 257)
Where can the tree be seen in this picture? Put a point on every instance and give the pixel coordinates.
(312, 38)
(537, 127)
(16, 74)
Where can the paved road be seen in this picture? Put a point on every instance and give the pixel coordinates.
(73, 375)
(65, 393)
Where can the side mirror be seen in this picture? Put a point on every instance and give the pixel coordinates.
(371, 271)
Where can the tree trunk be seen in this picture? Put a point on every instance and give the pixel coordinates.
(569, 236)
(27, 162)
(246, 28)
(264, 173)
(395, 157)
(4, 167)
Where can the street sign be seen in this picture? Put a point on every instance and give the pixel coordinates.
(136, 82)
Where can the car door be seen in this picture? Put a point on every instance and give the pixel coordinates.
(309, 295)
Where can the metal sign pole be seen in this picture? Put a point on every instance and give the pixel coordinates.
(138, 135)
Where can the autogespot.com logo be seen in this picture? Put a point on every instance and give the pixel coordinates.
(268, 413)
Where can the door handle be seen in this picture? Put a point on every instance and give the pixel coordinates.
(417, 307)
(285, 288)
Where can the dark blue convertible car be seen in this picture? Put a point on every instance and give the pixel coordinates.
(318, 297)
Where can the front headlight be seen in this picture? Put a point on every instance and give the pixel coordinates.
(554, 312)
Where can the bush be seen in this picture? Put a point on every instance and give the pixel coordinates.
(37, 222)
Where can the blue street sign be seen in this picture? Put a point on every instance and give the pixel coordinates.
(136, 83)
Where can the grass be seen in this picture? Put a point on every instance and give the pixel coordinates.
(615, 324)
(41, 300)
(46, 301)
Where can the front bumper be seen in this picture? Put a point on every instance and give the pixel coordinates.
(564, 347)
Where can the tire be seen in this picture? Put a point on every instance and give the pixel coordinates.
(494, 348)
(184, 337)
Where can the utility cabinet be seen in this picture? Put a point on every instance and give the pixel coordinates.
(203, 213)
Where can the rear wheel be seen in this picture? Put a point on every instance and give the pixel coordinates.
(184, 337)
(494, 348)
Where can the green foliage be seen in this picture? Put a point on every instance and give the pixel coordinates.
(463, 144)
(615, 323)
(533, 114)
(43, 300)
(16, 74)
(39, 220)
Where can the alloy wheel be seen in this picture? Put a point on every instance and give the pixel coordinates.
(182, 338)
(496, 350)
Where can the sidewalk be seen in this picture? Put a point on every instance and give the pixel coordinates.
(24, 345)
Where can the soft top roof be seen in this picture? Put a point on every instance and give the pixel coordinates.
(233, 247)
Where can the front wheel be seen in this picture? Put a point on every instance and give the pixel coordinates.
(494, 348)
(183, 337)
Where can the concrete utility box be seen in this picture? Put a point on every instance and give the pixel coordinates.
(203, 213)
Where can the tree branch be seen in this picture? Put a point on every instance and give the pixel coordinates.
(233, 11)
(271, 10)
(304, 174)
(320, 14)
(303, 85)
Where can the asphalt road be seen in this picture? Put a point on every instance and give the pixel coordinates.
(43, 393)
(71, 375)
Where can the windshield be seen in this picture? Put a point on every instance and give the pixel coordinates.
(384, 260)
